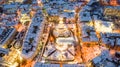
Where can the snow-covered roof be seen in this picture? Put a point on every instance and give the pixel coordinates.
(97, 60)
(108, 59)
(92, 1)
(1, 31)
(85, 16)
(5, 51)
(113, 7)
(56, 7)
(10, 6)
(118, 41)
(55, 49)
(88, 34)
(7, 36)
(28, 49)
(86, 8)
(9, 20)
(112, 39)
(39, 64)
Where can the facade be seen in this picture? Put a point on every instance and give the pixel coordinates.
(111, 39)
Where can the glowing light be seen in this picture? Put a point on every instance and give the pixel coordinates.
(43, 61)
(75, 62)
(24, 18)
(61, 20)
(112, 52)
(3, 47)
(39, 1)
(69, 10)
(20, 58)
(18, 51)
(14, 65)
(103, 26)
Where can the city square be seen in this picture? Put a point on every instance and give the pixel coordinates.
(59, 33)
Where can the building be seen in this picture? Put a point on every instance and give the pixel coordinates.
(6, 36)
(110, 2)
(63, 48)
(10, 8)
(111, 40)
(106, 25)
(39, 64)
(30, 43)
(85, 16)
(88, 35)
(3, 52)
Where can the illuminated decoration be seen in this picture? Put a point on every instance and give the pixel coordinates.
(112, 12)
(53, 18)
(24, 18)
(14, 65)
(39, 2)
(63, 49)
(69, 10)
(19, 27)
(11, 8)
(61, 20)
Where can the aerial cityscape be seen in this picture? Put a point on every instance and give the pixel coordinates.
(59, 33)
